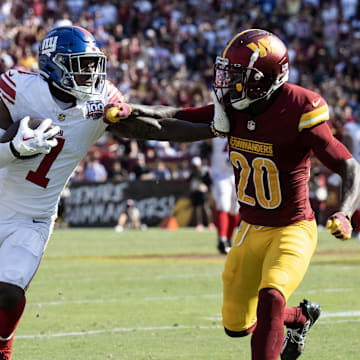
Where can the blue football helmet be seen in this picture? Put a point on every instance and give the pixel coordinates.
(64, 57)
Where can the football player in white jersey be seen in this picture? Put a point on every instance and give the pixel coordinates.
(224, 194)
(71, 92)
(351, 138)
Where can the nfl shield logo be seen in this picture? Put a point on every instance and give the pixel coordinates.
(251, 125)
(61, 117)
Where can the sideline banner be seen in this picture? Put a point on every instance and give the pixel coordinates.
(100, 204)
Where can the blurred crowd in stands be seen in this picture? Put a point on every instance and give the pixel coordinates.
(163, 51)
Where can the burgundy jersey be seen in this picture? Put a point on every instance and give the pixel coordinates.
(271, 153)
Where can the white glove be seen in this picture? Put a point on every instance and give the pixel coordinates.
(220, 125)
(29, 142)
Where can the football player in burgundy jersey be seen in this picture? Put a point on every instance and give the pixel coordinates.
(272, 128)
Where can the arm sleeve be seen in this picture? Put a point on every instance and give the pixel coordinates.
(330, 151)
(113, 94)
(203, 114)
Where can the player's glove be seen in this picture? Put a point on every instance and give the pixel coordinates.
(116, 112)
(220, 126)
(339, 225)
(29, 141)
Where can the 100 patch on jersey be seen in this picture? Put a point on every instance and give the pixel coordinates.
(94, 109)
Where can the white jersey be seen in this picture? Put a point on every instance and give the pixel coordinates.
(220, 162)
(353, 130)
(32, 187)
(222, 175)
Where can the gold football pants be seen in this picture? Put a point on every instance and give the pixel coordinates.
(264, 257)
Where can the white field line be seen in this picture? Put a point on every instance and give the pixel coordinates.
(140, 278)
(159, 298)
(324, 315)
(327, 290)
(101, 301)
(179, 327)
(115, 330)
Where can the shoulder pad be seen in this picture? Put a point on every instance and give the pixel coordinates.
(11, 81)
(315, 111)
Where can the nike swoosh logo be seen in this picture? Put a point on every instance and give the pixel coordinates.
(316, 103)
(11, 74)
(29, 138)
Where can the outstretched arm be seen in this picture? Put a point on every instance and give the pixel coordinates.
(170, 129)
(154, 111)
(160, 122)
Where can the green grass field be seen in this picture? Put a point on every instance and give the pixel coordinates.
(157, 295)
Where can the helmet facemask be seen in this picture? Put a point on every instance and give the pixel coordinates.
(244, 84)
(83, 75)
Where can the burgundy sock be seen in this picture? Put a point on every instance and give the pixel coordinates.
(294, 318)
(9, 319)
(267, 339)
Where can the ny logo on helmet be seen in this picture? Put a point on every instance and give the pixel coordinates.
(263, 46)
(49, 45)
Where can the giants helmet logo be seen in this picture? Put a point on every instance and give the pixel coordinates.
(95, 109)
(49, 45)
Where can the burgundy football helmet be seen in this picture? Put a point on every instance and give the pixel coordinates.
(253, 65)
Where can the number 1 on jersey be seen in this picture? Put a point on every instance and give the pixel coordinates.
(38, 177)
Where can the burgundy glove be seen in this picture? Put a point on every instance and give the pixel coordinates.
(116, 112)
(340, 226)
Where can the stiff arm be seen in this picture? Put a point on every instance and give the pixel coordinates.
(159, 123)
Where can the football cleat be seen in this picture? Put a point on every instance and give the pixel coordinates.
(294, 341)
(228, 245)
(3, 356)
(6, 349)
(223, 245)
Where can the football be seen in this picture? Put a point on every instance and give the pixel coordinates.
(13, 128)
